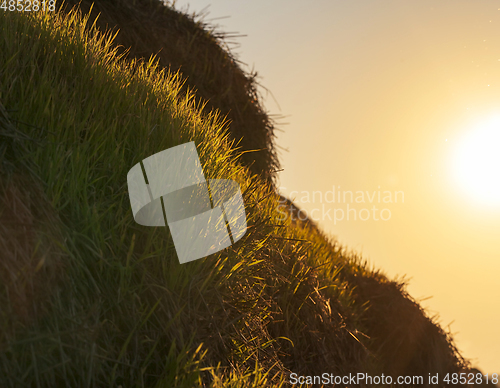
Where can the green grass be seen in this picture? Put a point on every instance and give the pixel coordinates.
(90, 298)
(201, 52)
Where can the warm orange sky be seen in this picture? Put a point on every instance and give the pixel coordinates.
(381, 93)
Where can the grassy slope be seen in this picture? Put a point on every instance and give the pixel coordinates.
(181, 42)
(90, 298)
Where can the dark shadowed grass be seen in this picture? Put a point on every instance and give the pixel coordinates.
(200, 52)
(117, 308)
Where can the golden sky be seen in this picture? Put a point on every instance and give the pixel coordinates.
(382, 96)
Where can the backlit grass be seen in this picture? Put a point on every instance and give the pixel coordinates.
(90, 298)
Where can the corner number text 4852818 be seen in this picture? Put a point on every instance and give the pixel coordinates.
(28, 5)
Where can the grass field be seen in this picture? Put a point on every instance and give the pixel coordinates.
(90, 298)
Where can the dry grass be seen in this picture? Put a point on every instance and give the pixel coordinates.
(187, 44)
(31, 259)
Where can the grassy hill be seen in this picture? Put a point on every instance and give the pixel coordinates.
(90, 298)
(201, 53)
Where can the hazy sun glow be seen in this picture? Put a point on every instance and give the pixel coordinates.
(477, 162)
